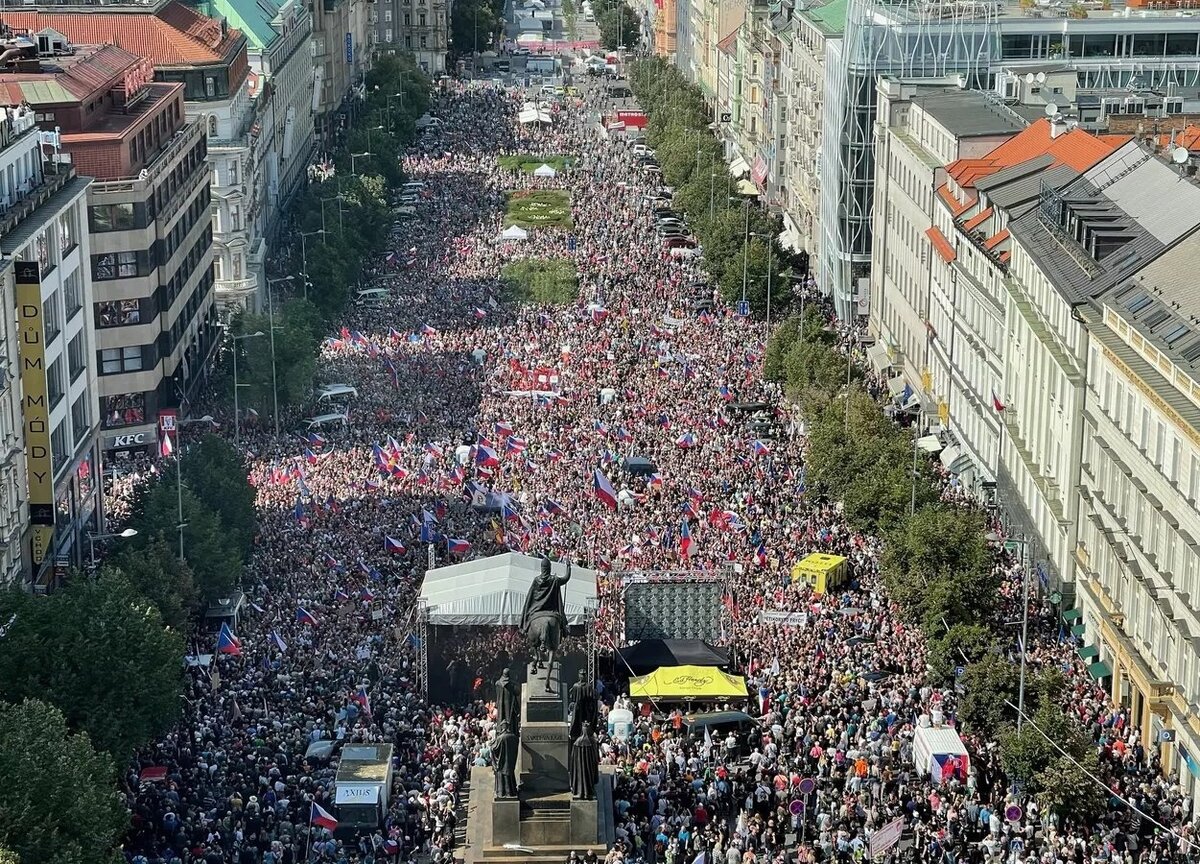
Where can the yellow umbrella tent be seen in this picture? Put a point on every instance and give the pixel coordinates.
(688, 682)
(823, 572)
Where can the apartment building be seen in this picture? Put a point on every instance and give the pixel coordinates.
(665, 28)
(209, 59)
(150, 266)
(1137, 611)
(278, 48)
(14, 505)
(43, 237)
(421, 27)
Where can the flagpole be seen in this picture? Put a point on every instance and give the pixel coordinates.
(308, 842)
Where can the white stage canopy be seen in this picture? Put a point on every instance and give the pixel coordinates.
(492, 590)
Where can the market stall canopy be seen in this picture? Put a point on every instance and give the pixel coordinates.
(545, 170)
(514, 232)
(533, 115)
(492, 590)
(659, 653)
(688, 682)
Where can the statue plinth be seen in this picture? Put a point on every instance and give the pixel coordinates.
(545, 738)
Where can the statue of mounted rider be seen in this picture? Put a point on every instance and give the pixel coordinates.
(544, 618)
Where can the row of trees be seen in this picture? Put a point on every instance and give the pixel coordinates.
(937, 564)
(618, 22)
(737, 234)
(345, 221)
(94, 671)
(474, 24)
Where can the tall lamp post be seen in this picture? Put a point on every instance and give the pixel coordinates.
(237, 415)
(770, 250)
(304, 254)
(207, 418)
(354, 156)
(341, 222)
(370, 129)
(271, 321)
(92, 538)
(745, 240)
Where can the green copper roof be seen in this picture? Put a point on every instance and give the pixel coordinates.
(830, 18)
(252, 17)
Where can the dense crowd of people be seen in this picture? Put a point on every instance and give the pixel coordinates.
(463, 396)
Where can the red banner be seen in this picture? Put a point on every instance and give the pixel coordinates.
(168, 432)
(636, 119)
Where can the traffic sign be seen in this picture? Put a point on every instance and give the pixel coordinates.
(796, 807)
(807, 786)
(743, 308)
(1013, 813)
(960, 671)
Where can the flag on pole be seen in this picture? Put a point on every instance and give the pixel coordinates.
(277, 641)
(392, 545)
(168, 447)
(320, 817)
(457, 546)
(996, 403)
(685, 540)
(227, 643)
(305, 617)
(604, 489)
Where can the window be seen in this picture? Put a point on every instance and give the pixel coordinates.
(235, 217)
(424, 39)
(126, 409)
(210, 86)
(115, 265)
(118, 313)
(387, 34)
(81, 419)
(43, 248)
(54, 382)
(75, 356)
(52, 321)
(237, 265)
(61, 452)
(73, 294)
(387, 15)
(421, 19)
(233, 172)
(116, 360)
(68, 232)
(107, 217)
(407, 19)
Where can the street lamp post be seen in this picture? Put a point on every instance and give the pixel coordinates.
(92, 538)
(1023, 543)
(770, 250)
(361, 155)
(271, 320)
(304, 254)
(745, 248)
(237, 416)
(207, 418)
(341, 222)
(370, 129)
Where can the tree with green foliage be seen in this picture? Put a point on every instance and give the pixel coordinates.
(216, 564)
(473, 24)
(541, 280)
(989, 684)
(284, 366)
(155, 571)
(619, 24)
(99, 652)
(216, 473)
(58, 801)
(1052, 774)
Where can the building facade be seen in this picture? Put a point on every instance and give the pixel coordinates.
(421, 27)
(149, 228)
(43, 230)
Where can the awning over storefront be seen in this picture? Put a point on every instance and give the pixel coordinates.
(879, 358)
(1099, 670)
(1087, 652)
(745, 187)
(954, 459)
(739, 167)
(929, 443)
(896, 386)
(1072, 614)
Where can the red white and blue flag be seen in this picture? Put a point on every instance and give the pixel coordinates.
(760, 448)
(685, 540)
(485, 457)
(686, 441)
(392, 545)
(457, 546)
(227, 643)
(604, 489)
(360, 698)
(277, 640)
(321, 818)
(305, 617)
(760, 555)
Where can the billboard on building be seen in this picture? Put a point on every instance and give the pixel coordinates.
(35, 407)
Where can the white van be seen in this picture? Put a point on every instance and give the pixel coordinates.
(323, 421)
(414, 186)
(336, 391)
(373, 294)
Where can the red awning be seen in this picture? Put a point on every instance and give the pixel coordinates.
(940, 244)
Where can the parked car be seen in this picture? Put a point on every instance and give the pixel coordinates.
(521, 52)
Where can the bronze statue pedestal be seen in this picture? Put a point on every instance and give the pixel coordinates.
(545, 738)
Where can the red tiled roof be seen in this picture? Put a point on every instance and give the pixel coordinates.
(1076, 148)
(174, 36)
(948, 197)
(940, 244)
(995, 240)
(1188, 137)
(1004, 256)
(977, 220)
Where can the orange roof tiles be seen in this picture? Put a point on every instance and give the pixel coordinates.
(174, 36)
(1188, 137)
(977, 220)
(940, 244)
(1076, 148)
(995, 240)
(948, 197)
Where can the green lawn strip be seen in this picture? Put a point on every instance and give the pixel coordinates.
(530, 162)
(539, 208)
(541, 280)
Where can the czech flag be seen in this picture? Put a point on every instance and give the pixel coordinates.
(760, 448)
(456, 546)
(360, 698)
(724, 392)
(502, 429)
(434, 450)
(554, 508)
(391, 847)
(686, 441)
(604, 489)
(515, 445)
(426, 330)
(685, 540)
(321, 818)
(480, 314)
(391, 544)
(509, 513)
(340, 595)
(599, 313)
(656, 481)
(227, 643)
(485, 457)
(996, 403)
(305, 617)
(760, 555)
(277, 641)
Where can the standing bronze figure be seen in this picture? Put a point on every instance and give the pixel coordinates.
(508, 702)
(585, 765)
(582, 702)
(504, 760)
(544, 618)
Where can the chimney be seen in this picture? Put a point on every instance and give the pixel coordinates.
(1057, 125)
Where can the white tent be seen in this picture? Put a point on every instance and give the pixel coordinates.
(533, 115)
(514, 232)
(544, 170)
(492, 590)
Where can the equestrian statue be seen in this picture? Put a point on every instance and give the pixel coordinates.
(544, 618)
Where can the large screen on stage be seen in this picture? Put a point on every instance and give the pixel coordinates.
(673, 610)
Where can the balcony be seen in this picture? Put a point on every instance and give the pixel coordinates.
(54, 177)
(236, 293)
(180, 142)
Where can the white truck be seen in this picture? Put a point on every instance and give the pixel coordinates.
(363, 786)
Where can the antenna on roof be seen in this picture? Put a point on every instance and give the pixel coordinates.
(1029, 78)
(1180, 155)
(1041, 77)
(1051, 109)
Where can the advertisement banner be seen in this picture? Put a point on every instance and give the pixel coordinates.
(634, 119)
(35, 407)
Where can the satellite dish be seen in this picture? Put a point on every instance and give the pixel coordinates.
(1051, 109)
(1028, 77)
(1041, 77)
(1180, 155)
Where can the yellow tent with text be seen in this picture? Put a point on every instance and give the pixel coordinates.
(688, 682)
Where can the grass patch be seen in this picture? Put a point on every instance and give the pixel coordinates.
(530, 162)
(541, 280)
(539, 208)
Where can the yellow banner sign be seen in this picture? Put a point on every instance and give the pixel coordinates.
(35, 407)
